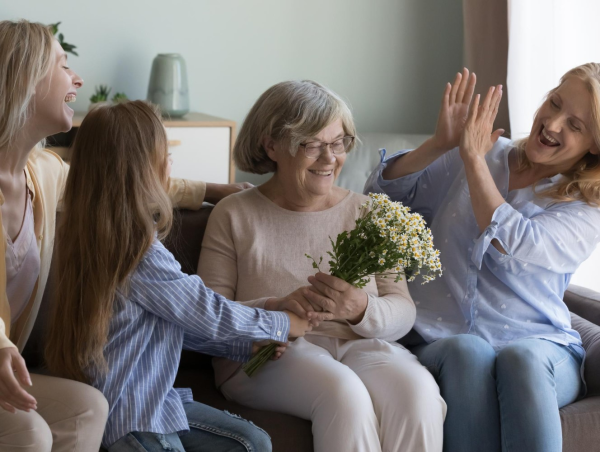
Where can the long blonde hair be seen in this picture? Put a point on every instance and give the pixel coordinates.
(582, 181)
(25, 59)
(115, 201)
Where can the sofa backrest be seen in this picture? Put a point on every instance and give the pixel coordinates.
(365, 156)
(185, 242)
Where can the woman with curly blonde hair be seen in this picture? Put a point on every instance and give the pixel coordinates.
(513, 221)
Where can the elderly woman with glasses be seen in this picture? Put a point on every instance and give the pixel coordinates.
(361, 390)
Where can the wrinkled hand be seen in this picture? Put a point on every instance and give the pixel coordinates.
(477, 139)
(216, 192)
(280, 350)
(335, 295)
(297, 303)
(454, 110)
(12, 395)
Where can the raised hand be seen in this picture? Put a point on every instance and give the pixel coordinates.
(13, 374)
(454, 111)
(478, 139)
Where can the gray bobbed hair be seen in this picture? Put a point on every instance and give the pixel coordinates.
(291, 112)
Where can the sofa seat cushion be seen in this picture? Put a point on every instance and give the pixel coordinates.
(581, 425)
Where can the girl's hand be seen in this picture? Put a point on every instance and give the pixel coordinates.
(280, 350)
(298, 326)
(337, 296)
(297, 303)
(12, 395)
(454, 110)
(477, 139)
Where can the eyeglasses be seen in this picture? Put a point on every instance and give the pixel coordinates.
(315, 149)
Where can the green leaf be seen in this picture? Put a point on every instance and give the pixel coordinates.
(54, 27)
(119, 97)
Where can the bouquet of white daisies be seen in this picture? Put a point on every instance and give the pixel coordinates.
(388, 241)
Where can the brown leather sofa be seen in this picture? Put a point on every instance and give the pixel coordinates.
(580, 420)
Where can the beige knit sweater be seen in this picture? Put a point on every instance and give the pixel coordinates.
(254, 250)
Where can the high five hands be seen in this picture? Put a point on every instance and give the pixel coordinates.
(477, 138)
(455, 113)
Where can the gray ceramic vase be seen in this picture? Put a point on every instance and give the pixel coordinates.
(168, 87)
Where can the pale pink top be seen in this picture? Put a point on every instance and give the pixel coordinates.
(254, 249)
(22, 264)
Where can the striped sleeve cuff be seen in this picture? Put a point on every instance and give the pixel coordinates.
(280, 326)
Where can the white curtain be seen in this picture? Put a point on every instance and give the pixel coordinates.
(546, 39)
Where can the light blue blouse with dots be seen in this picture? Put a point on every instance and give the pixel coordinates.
(499, 297)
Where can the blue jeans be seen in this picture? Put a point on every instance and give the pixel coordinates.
(505, 401)
(211, 430)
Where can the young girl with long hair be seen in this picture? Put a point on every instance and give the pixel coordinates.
(126, 308)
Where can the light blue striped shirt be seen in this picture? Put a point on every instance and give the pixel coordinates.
(164, 311)
(499, 297)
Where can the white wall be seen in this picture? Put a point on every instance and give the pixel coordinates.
(388, 58)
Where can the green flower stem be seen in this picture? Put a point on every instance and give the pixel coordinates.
(258, 360)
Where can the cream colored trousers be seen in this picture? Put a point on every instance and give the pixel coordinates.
(364, 395)
(70, 417)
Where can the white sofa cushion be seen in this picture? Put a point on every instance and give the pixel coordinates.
(365, 156)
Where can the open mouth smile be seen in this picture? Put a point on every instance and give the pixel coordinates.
(546, 139)
(321, 173)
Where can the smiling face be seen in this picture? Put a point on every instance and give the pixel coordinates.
(310, 178)
(562, 130)
(53, 93)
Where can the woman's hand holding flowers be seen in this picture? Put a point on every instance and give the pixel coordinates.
(335, 295)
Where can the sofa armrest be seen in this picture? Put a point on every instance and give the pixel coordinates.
(590, 336)
(583, 302)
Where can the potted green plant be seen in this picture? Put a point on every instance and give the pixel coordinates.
(69, 48)
(119, 97)
(100, 96)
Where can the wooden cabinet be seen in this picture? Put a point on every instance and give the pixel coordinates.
(200, 145)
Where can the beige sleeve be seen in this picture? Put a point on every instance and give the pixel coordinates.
(391, 314)
(218, 260)
(4, 340)
(63, 182)
(184, 193)
(187, 194)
